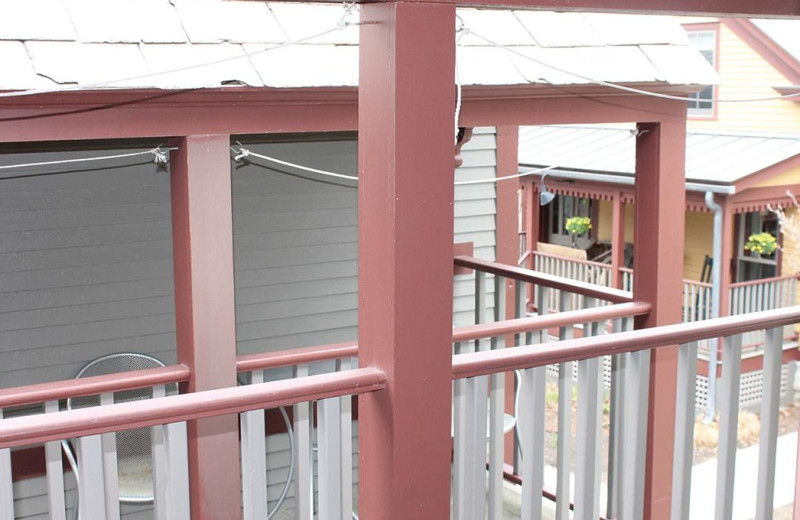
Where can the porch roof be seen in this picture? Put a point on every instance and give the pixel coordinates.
(711, 158)
(139, 44)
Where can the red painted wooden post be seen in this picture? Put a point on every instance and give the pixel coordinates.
(508, 241)
(406, 163)
(532, 225)
(532, 220)
(658, 271)
(617, 241)
(728, 255)
(507, 200)
(204, 313)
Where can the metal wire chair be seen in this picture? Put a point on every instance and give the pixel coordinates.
(134, 449)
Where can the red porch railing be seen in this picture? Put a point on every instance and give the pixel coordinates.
(744, 297)
(628, 412)
(334, 417)
(94, 427)
(471, 431)
(479, 368)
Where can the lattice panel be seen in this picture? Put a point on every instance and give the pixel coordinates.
(751, 386)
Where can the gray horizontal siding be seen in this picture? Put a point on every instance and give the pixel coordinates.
(475, 212)
(85, 265)
(295, 248)
(310, 277)
(86, 268)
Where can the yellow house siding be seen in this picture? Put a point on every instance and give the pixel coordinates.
(790, 246)
(697, 243)
(786, 178)
(745, 74)
(629, 223)
(606, 218)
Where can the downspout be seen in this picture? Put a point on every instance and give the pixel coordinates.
(716, 268)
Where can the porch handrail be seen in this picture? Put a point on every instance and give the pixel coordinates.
(764, 281)
(528, 356)
(296, 356)
(573, 260)
(57, 390)
(524, 257)
(548, 321)
(697, 283)
(33, 429)
(545, 280)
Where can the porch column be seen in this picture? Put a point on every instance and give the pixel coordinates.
(507, 200)
(532, 223)
(406, 169)
(617, 240)
(202, 236)
(658, 270)
(728, 256)
(508, 221)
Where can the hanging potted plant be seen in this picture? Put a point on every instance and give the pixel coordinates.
(761, 244)
(578, 226)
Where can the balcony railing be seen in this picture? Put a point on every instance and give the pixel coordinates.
(485, 366)
(93, 431)
(744, 297)
(481, 366)
(473, 395)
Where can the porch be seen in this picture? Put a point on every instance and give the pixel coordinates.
(605, 454)
(743, 297)
(424, 389)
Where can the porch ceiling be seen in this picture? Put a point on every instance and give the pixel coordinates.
(712, 158)
(139, 44)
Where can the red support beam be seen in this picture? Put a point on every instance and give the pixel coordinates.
(617, 241)
(741, 8)
(566, 105)
(508, 238)
(738, 8)
(121, 114)
(507, 199)
(202, 236)
(532, 222)
(728, 256)
(658, 268)
(406, 163)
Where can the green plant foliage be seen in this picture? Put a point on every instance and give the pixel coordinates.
(761, 243)
(579, 225)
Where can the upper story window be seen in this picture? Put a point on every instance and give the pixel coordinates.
(705, 41)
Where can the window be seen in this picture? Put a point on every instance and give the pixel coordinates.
(562, 208)
(705, 41)
(752, 266)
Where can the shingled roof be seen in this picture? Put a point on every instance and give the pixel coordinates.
(140, 44)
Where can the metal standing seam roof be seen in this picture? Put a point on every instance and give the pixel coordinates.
(713, 158)
(96, 43)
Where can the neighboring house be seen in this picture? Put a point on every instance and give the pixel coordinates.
(86, 249)
(742, 160)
